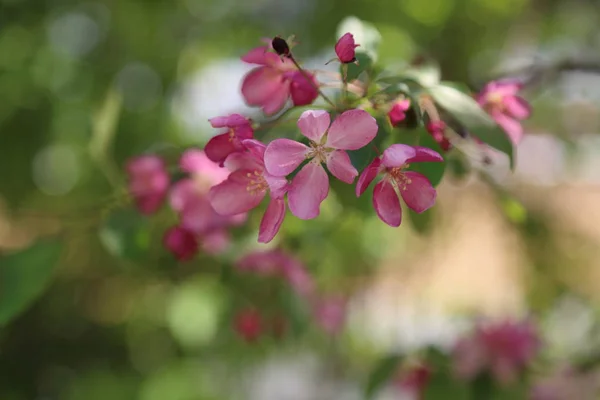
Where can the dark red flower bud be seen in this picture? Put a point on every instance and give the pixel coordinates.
(280, 46)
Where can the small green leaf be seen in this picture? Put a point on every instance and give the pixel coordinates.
(365, 34)
(468, 112)
(364, 64)
(426, 75)
(24, 276)
(126, 234)
(381, 374)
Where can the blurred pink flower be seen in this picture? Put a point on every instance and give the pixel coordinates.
(279, 264)
(351, 130)
(414, 188)
(238, 128)
(181, 242)
(247, 185)
(397, 113)
(436, 130)
(270, 85)
(413, 381)
(503, 349)
(345, 49)
(248, 324)
(330, 314)
(148, 182)
(500, 100)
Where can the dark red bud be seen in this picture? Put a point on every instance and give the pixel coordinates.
(280, 46)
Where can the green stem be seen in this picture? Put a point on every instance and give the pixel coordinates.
(315, 86)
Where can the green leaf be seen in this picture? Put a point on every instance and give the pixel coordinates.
(468, 112)
(365, 34)
(364, 64)
(459, 166)
(24, 276)
(426, 75)
(126, 234)
(381, 374)
(422, 222)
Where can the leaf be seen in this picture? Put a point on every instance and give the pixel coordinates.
(422, 222)
(365, 34)
(126, 234)
(426, 75)
(353, 71)
(381, 374)
(24, 276)
(468, 112)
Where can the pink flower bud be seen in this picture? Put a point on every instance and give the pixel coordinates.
(181, 242)
(344, 49)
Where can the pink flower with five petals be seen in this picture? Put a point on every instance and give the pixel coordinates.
(500, 100)
(351, 130)
(247, 185)
(414, 188)
(270, 85)
(148, 182)
(238, 128)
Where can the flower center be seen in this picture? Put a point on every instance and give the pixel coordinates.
(231, 134)
(495, 101)
(399, 178)
(318, 152)
(256, 183)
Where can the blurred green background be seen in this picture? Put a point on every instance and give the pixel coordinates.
(86, 85)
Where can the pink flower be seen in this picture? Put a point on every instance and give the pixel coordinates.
(248, 324)
(270, 85)
(238, 128)
(414, 188)
(330, 314)
(503, 349)
(148, 182)
(413, 381)
(280, 264)
(436, 130)
(181, 242)
(247, 185)
(350, 131)
(345, 49)
(397, 113)
(500, 100)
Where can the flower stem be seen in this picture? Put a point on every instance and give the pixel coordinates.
(309, 79)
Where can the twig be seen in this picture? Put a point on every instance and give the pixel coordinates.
(315, 86)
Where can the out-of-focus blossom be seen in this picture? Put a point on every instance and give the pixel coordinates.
(279, 264)
(503, 349)
(148, 182)
(247, 186)
(238, 128)
(352, 130)
(414, 188)
(270, 85)
(568, 384)
(411, 382)
(345, 49)
(500, 99)
(397, 113)
(436, 130)
(330, 313)
(181, 242)
(248, 324)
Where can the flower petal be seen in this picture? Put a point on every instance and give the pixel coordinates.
(517, 107)
(367, 176)
(257, 55)
(278, 185)
(344, 48)
(397, 155)
(313, 124)
(387, 204)
(352, 130)
(272, 220)
(232, 196)
(277, 98)
(219, 147)
(255, 147)
(228, 121)
(340, 166)
(259, 85)
(302, 90)
(308, 190)
(181, 243)
(182, 193)
(244, 160)
(418, 195)
(511, 126)
(425, 154)
(283, 156)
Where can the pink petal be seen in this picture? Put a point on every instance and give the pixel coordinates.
(278, 185)
(387, 204)
(260, 84)
(144, 164)
(302, 90)
(244, 160)
(313, 124)
(344, 48)
(512, 127)
(255, 147)
(228, 121)
(352, 130)
(277, 99)
(397, 113)
(181, 243)
(517, 107)
(216, 242)
(419, 195)
(232, 196)
(199, 217)
(257, 55)
(272, 220)
(283, 156)
(219, 147)
(183, 192)
(340, 166)
(194, 160)
(308, 190)
(367, 176)
(398, 155)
